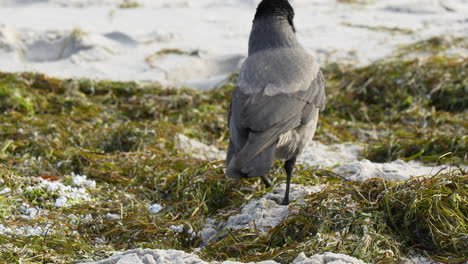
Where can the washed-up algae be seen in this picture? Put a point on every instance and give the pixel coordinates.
(374, 220)
(123, 136)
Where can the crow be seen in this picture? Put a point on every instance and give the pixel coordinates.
(276, 102)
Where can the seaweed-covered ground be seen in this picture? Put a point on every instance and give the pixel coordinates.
(88, 168)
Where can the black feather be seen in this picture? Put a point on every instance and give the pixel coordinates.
(277, 8)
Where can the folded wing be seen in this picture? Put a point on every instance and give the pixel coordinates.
(258, 116)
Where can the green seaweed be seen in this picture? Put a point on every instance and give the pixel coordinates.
(149, 60)
(431, 213)
(129, 4)
(380, 28)
(123, 135)
(376, 221)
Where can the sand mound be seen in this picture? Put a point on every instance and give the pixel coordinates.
(8, 38)
(121, 38)
(62, 3)
(140, 256)
(195, 69)
(395, 170)
(329, 258)
(267, 212)
(459, 6)
(157, 36)
(158, 256)
(318, 154)
(428, 6)
(261, 214)
(177, 4)
(198, 149)
(20, 2)
(52, 46)
(352, 169)
(84, 3)
(294, 3)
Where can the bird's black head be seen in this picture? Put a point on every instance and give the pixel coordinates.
(277, 8)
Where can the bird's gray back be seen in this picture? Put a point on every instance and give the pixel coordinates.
(273, 71)
(259, 121)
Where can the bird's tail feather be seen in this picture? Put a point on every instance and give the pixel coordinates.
(244, 163)
(256, 167)
(256, 157)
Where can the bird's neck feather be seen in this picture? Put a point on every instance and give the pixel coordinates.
(271, 32)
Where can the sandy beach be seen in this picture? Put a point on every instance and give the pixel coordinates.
(208, 39)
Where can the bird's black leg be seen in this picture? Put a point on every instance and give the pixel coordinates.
(266, 181)
(288, 167)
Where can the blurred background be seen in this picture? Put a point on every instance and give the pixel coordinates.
(199, 43)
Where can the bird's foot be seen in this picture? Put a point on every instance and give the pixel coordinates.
(285, 202)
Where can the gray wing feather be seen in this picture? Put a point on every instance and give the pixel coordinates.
(275, 71)
(260, 113)
(320, 100)
(258, 142)
(257, 119)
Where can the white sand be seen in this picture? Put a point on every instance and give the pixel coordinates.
(420, 260)
(198, 149)
(96, 39)
(317, 154)
(345, 161)
(267, 212)
(395, 170)
(157, 256)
